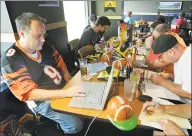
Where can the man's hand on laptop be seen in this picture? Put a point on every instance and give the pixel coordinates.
(75, 91)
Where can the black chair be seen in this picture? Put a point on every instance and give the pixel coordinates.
(72, 47)
(184, 35)
(11, 105)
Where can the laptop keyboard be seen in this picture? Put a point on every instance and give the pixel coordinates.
(94, 92)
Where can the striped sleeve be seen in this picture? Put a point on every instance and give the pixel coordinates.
(17, 78)
(59, 60)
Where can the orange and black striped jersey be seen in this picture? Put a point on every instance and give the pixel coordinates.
(24, 73)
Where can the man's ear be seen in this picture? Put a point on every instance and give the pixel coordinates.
(171, 52)
(100, 26)
(21, 33)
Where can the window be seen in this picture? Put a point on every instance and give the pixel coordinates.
(76, 16)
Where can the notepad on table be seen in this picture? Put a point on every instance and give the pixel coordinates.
(156, 91)
(154, 117)
(151, 120)
(96, 67)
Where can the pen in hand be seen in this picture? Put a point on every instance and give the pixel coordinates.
(150, 108)
(156, 103)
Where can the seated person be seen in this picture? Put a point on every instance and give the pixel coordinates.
(180, 21)
(160, 30)
(161, 19)
(35, 72)
(90, 36)
(169, 127)
(167, 49)
(92, 21)
(152, 27)
(157, 65)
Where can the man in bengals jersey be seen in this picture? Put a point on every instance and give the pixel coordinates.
(35, 72)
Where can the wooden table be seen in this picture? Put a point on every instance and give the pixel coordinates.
(61, 105)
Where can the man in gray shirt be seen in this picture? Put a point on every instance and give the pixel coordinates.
(90, 36)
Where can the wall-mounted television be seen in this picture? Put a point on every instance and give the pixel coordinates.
(170, 5)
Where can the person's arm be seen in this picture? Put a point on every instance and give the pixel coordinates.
(147, 35)
(42, 94)
(24, 88)
(170, 128)
(175, 88)
(180, 110)
(102, 45)
(61, 65)
(167, 75)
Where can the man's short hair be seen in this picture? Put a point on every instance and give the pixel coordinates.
(92, 18)
(162, 44)
(162, 28)
(155, 24)
(129, 13)
(24, 20)
(161, 18)
(182, 14)
(103, 20)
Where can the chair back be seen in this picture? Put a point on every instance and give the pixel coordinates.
(72, 47)
(73, 44)
(85, 51)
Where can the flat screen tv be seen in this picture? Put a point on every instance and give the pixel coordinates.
(170, 5)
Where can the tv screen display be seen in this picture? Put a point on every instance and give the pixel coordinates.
(170, 5)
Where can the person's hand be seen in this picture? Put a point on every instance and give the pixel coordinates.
(170, 128)
(102, 45)
(156, 79)
(153, 107)
(164, 75)
(75, 91)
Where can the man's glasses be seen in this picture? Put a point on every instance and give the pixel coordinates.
(38, 37)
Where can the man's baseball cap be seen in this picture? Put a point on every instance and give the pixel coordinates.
(93, 18)
(160, 45)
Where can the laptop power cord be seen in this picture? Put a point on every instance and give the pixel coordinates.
(99, 112)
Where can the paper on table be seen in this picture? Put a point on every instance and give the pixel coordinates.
(159, 91)
(141, 50)
(151, 120)
(140, 58)
(96, 67)
(183, 123)
(140, 61)
(157, 125)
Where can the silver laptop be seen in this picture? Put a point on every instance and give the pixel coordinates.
(96, 94)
